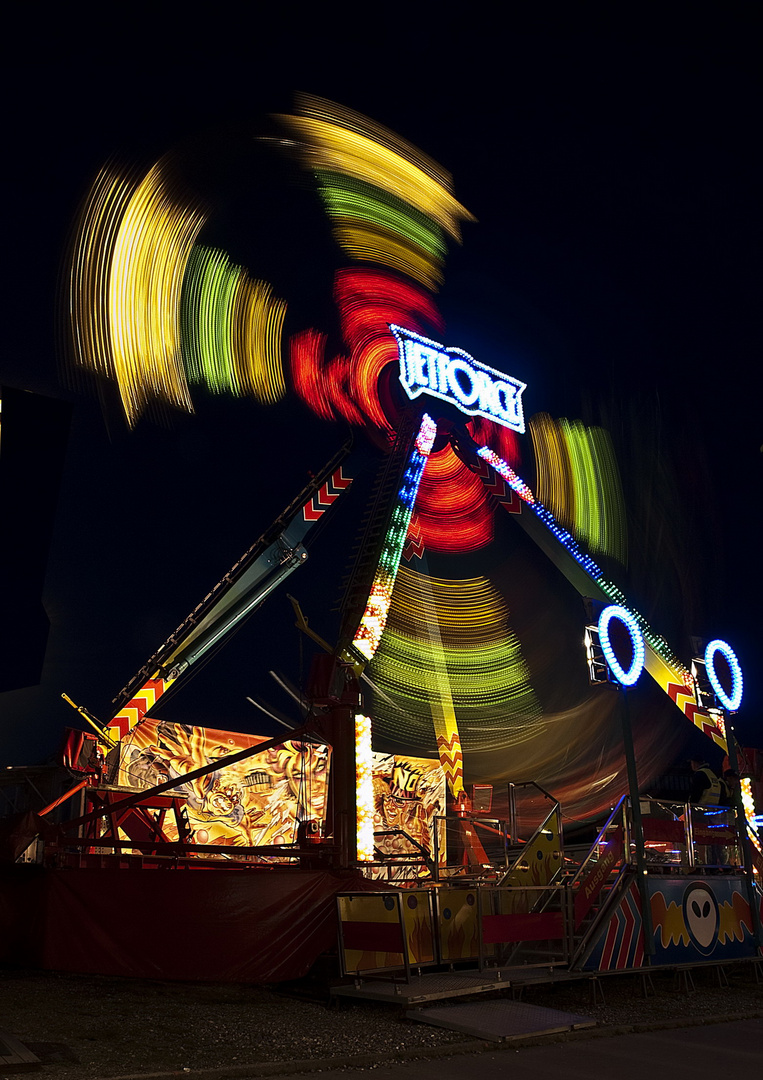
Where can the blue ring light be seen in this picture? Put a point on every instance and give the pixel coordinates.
(733, 701)
(614, 611)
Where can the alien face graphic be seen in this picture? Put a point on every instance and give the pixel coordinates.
(701, 916)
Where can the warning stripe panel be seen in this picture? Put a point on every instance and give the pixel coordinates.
(326, 495)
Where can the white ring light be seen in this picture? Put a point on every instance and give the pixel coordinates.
(614, 611)
(733, 701)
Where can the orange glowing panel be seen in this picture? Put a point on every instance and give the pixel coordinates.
(347, 385)
(453, 508)
(409, 802)
(318, 381)
(258, 801)
(500, 439)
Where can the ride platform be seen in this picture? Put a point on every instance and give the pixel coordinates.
(441, 985)
(500, 1021)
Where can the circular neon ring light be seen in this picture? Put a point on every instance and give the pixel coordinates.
(614, 611)
(733, 701)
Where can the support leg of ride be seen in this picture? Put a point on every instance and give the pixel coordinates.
(683, 980)
(596, 992)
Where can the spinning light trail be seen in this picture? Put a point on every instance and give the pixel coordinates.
(578, 479)
(231, 328)
(132, 244)
(479, 665)
(339, 140)
(144, 302)
(453, 509)
(371, 225)
(348, 386)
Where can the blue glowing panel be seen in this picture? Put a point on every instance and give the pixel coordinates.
(733, 700)
(454, 376)
(614, 611)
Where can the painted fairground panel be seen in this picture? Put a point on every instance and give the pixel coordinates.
(375, 928)
(620, 942)
(418, 921)
(258, 801)
(695, 920)
(409, 802)
(457, 924)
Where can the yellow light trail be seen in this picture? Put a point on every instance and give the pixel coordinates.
(579, 481)
(340, 140)
(232, 328)
(476, 664)
(133, 239)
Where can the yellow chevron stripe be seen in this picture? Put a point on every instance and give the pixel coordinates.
(129, 714)
(666, 676)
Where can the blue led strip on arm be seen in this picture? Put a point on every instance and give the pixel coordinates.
(522, 489)
(515, 482)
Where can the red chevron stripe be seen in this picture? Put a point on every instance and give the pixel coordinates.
(712, 730)
(609, 944)
(496, 486)
(494, 483)
(310, 512)
(695, 713)
(140, 704)
(326, 496)
(120, 724)
(339, 480)
(674, 689)
(414, 542)
(483, 470)
(453, 766)
(629, 925)
(413, 546)
(511, 503)
(334, 487)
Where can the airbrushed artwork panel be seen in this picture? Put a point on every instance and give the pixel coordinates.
(256, 801)
(409, 797)
(699, 919)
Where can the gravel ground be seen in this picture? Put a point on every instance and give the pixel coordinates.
(94, 1027)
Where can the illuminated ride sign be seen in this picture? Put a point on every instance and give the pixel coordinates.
(454, 376)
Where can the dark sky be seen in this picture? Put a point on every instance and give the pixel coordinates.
(615, 268)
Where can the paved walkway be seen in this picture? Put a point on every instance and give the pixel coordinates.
(728, 1049)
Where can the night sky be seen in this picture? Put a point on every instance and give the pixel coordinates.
(614, 268)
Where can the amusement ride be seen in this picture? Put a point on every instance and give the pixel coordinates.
(411, 787)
